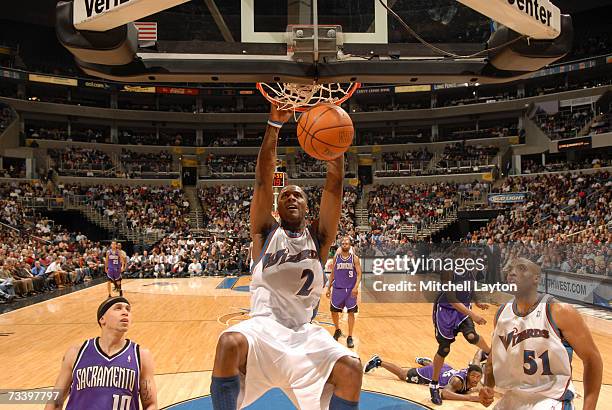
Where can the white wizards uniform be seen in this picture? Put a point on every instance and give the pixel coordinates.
(285, 349)
(531, 360)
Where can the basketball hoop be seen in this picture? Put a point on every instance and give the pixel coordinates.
(301, 97)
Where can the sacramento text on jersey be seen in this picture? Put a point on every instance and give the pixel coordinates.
(435, 286)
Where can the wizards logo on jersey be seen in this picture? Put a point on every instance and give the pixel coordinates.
(515, 337)
(282, 256)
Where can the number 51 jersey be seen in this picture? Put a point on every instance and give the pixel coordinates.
(288, 278)
(529, 354)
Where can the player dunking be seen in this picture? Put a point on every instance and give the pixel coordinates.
(278, 346)
(452, 314)
(533, 342)
(345, 278)
(109, 372)
(113, 266)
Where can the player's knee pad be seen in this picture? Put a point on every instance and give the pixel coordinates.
(472, 337)
(444, 348)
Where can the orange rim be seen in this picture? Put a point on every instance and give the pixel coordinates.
(276, 102)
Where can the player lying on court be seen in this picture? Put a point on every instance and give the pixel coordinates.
(345, 278)
(279, 346)
(455, 384)
(109, 372)
(533, 342)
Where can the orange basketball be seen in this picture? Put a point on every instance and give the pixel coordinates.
(325, 131)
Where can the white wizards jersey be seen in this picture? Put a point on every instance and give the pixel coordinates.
(529, 354)
(288, 279)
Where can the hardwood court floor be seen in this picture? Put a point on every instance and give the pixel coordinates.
(179, 320)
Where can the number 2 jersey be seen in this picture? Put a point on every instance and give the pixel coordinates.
(101, 382)
(529, 353)
(288, 278)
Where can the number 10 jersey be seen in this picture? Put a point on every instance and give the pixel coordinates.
(102, 382)
(288, 278)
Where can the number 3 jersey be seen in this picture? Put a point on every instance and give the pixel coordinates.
(530, 354)
(101, 382)
(288, 278)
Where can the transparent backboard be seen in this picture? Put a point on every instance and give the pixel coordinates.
(362, 21)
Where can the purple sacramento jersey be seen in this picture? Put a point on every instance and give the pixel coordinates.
(114, 264)
(445, 375)
(100, 382)
(345, 279)
(445, 317)
(345, 275)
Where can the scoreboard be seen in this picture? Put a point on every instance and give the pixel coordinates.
(279, 180)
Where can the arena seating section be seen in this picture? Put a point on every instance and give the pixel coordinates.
(452, 163)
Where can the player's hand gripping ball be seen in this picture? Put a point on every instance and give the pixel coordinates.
(325, 131)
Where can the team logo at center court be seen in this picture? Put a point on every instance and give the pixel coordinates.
(226, 319)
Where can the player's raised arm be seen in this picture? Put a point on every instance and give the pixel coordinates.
(331, 204)
(64, 379)
(331, 275)
(263, 196)
(453, 300)
(578, 335)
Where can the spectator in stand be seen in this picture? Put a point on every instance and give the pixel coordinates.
(309, 167)
(139, 163)
(195, 268)
(393, 208)
(566, 123)
(7, 291)
(81, 161)
(6, 116)
(230, 166)
(563, 224)
(144, 208)
(557, 165)
(55, 270)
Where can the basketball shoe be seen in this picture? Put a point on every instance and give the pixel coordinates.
(423, 361)
(337, 334)
(372, 364)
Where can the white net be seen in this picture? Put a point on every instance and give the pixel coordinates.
(300, 97)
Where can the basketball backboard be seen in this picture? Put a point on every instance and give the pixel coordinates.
(370, 41)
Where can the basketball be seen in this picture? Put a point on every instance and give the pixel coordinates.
(325, 132)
